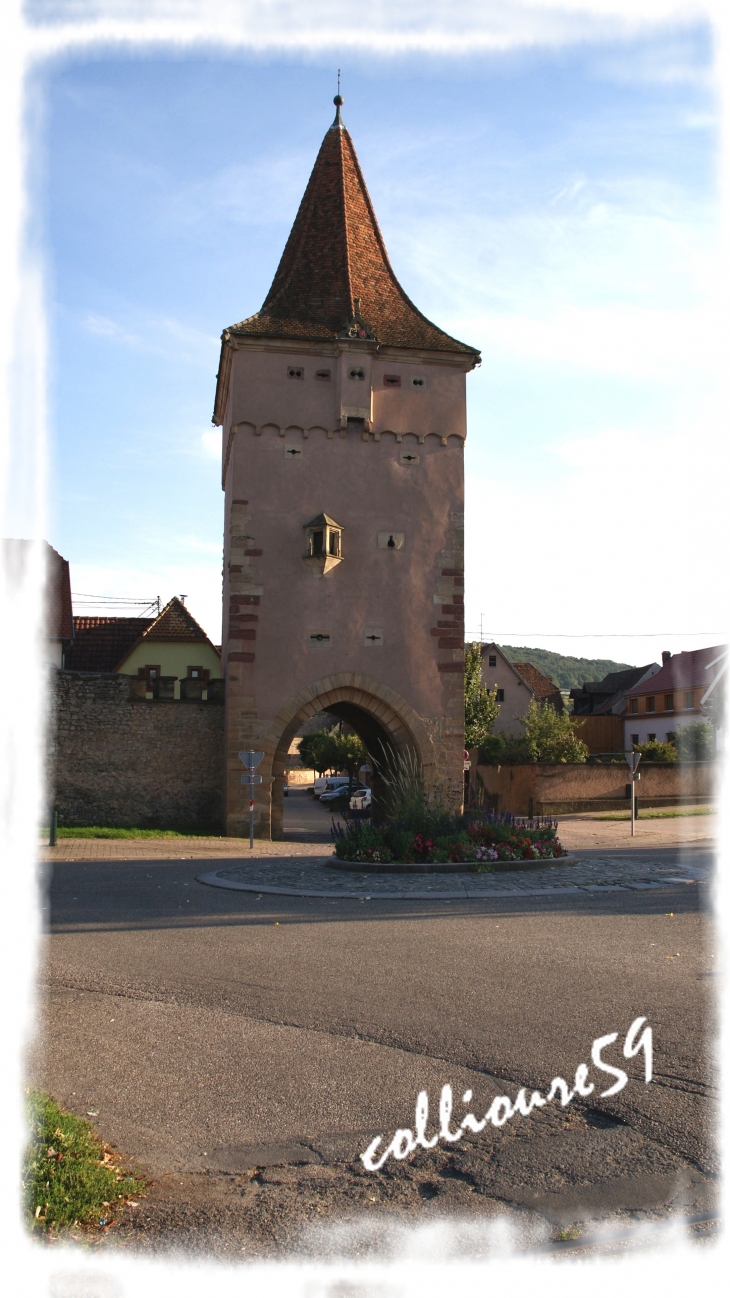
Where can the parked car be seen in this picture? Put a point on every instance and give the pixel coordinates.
(361, 799)
(338, 791)
(325, 783)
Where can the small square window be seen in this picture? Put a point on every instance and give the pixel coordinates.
(634, 739)
(391, 380)
(492, 660)
(689, 698)
(324, 376)
(356, 372)
(651, 738)
(651, 703)
(668, 702)
(418, 383)
(500, 696)
(295, 372)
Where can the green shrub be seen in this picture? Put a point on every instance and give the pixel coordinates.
(655, 751)
(696, 742)
(550, 736)
(503, 749)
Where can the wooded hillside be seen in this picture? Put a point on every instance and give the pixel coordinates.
(567, 672)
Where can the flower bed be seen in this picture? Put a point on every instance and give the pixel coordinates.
(476, 843)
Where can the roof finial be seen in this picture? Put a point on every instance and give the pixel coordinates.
(338, 102)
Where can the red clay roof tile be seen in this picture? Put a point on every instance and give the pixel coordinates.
(334, 258)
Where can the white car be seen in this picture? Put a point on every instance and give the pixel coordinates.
(361, 799)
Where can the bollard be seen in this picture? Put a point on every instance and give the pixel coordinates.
(54, 828)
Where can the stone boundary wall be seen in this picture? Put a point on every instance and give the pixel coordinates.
(559, 788)
(123, 762)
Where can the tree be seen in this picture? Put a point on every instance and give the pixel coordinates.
(696, 742)
(310, 752)
(550, 736)
(481, 708)
(338, 752)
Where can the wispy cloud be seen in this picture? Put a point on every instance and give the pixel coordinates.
(156, 334)
(442, 27)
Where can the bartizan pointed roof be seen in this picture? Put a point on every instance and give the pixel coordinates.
(335, 279)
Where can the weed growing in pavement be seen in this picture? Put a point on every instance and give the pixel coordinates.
(69, 1177)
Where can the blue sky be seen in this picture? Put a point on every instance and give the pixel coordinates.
(556, 207)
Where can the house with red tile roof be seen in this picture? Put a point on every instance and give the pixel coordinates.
(658, 707)
(516, 685)
(172, 647)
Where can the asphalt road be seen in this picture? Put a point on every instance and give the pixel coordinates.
(247, 1049)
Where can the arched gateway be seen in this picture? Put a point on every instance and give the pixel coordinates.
(344, 418)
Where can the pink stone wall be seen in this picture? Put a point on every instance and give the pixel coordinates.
(290, 456)
(549, 784)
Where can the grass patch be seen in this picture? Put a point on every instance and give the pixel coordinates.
(70, 1177)
(106, 831)
(659, 815)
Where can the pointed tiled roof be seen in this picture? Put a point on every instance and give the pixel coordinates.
(335, 273)
(174, 623)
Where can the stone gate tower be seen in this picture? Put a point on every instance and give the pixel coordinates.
(344, 418)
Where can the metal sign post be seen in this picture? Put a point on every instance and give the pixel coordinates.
(633, 760)
(250, 761)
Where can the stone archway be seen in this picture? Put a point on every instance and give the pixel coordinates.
(379, 715)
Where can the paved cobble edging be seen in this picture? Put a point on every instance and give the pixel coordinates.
(314, 878)
(449, 867)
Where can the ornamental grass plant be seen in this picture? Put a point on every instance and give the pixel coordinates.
(420, 829)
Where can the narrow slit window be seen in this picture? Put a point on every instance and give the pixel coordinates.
(324, 376)
(391, 380)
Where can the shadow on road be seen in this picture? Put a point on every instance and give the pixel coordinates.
(87, 895)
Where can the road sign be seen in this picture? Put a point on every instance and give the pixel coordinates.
(251, 779)
(633, 760)
(250, 760)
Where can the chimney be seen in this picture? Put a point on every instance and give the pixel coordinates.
(666, 655)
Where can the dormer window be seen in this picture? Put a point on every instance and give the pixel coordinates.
(356, 372)
(324, 543)
(295, 372)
